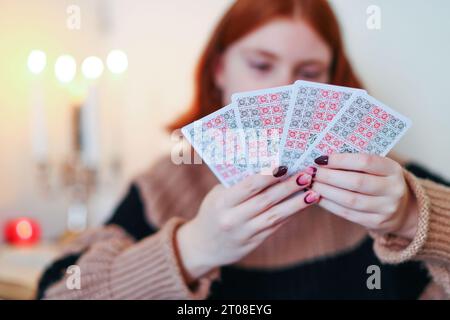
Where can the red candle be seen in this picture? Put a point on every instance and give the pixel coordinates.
(22, 231)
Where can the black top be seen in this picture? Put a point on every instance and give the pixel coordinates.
(342, 276)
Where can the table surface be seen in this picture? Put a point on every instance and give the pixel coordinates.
(21, 267)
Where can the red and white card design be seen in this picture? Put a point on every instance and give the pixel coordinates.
(292, 126)
(219, 142)
(262, 115)
(364, 125)
(313, 106)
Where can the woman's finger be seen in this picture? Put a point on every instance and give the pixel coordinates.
(366, 219)
(259, 237)
(271, 196)
(252, 185)
(281, 212)
(353, 181)
(361, 162)
(352, 200)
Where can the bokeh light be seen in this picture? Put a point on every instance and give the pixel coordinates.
(24, 229)
(37, 60)
(117, 61)
(92, 67)
(65, 68)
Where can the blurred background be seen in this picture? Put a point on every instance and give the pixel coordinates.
(87, 86)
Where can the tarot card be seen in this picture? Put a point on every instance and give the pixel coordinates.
(262, 114)
(313, 106)
(219, 142)
(364, 125)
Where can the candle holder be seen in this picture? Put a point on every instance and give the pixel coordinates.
(43, 177)
(72, 178)
(81, 184)
(79, 178)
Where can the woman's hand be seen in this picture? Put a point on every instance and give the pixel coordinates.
(233, 222)
(369, 190)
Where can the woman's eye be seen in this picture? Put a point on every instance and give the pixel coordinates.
(310, 74)
(260, 66)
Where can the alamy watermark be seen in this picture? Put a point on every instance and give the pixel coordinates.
(374, 280)
(245, 148)
(73, 21)
(73, 281)
(374, 17)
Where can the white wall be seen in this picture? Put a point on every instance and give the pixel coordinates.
(405, 64)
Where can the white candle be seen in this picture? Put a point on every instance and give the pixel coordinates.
(90, 154)
(39, 134)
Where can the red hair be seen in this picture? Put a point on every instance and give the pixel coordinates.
(245, 16)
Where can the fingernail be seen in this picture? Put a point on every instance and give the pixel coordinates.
(322, 160)
(303, 179)
(311, 171)
(311, 197)
(280, 171)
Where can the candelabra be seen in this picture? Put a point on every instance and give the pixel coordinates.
(77, 177)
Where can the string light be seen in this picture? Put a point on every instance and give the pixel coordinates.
(65, 68)
(117, 61)
(92, 67)
(37, 60)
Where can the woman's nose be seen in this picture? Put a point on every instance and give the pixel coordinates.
(286, 76)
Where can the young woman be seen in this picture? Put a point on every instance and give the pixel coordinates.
(178, 234)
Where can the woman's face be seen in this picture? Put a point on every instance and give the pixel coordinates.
(276, 54)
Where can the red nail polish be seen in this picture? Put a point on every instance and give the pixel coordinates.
(311, 197)
(280, 171)
(311, 171)
(322, 160)
(303, 179)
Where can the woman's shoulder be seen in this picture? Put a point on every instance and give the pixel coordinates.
(170, 189)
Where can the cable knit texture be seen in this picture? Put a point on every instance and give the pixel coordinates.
(432, 240)
(115, 267)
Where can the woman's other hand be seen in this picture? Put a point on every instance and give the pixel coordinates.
(232, 222)
(369, 190)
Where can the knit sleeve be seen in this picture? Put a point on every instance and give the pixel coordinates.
(431, 244)
(120, 268)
